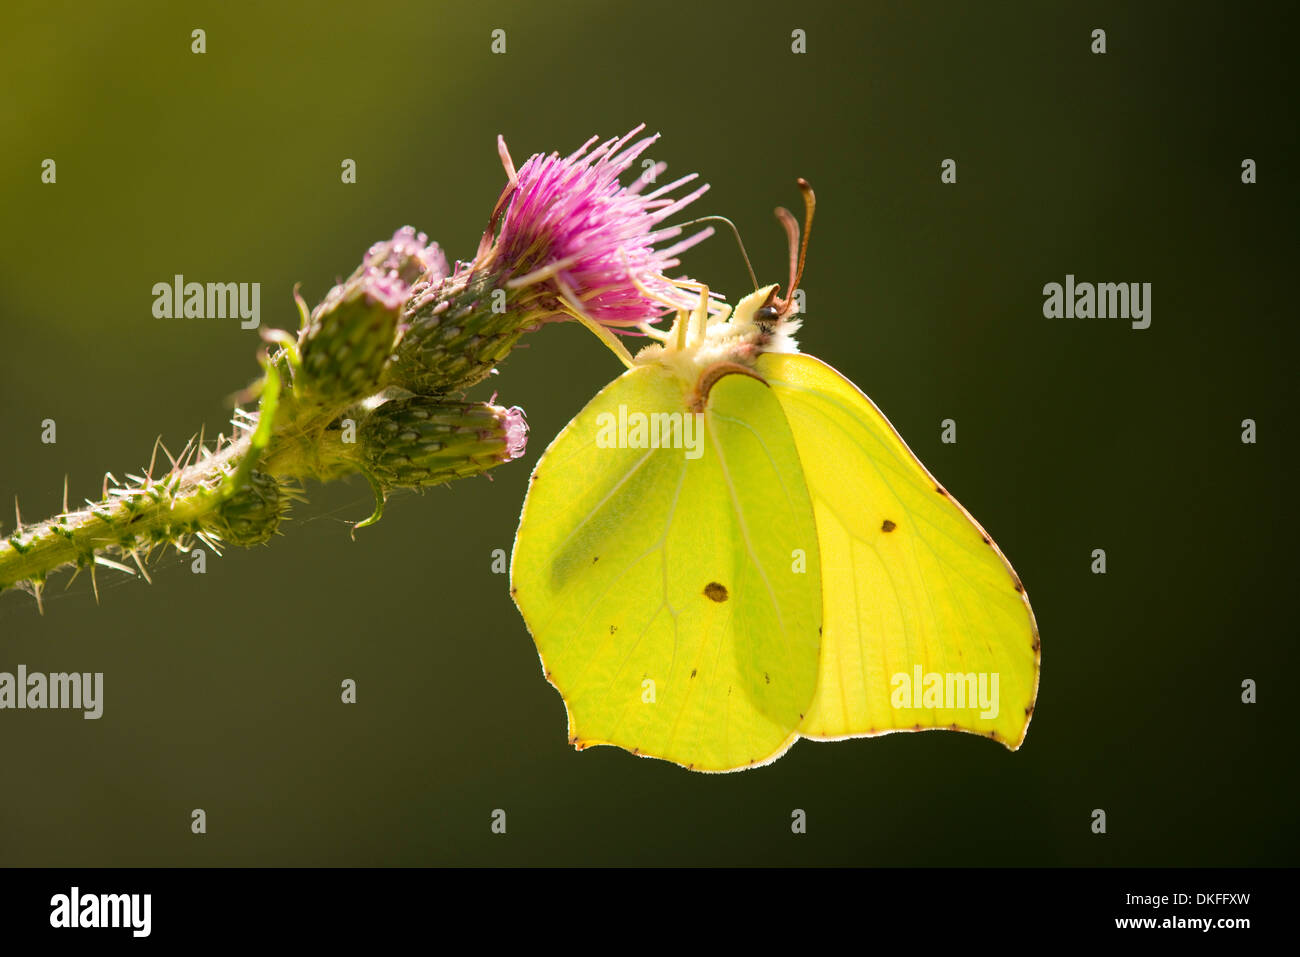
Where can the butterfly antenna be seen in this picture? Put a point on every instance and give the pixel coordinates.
(792, 235)
(735, 232)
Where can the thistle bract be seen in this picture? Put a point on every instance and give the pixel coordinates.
(456, 331)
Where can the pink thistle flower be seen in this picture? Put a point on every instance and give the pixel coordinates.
(410, 256)
(516, 432)
(571, 226)
(385, 289)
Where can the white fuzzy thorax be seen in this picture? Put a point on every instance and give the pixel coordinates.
(699, 340)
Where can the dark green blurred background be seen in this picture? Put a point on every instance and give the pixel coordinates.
(222, 691)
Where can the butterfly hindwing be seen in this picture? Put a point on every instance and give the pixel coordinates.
(674, 593)
(921, 610)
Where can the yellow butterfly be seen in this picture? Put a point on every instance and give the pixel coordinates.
(731, 548)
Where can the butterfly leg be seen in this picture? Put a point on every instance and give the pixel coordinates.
(575, 308)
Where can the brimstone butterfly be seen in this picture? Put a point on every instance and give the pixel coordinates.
(731, 548)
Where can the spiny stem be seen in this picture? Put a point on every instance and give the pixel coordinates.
(139, 519)
(237, 493)
(197, 499)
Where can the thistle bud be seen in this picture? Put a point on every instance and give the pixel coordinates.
(252, 515)
(350, 336)
(421, 441)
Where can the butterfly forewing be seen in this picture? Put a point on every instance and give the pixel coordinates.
(674, 592)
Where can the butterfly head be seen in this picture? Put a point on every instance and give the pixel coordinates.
(774, 315)
(713, 337)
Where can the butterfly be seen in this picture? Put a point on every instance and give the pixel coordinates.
(730, 548)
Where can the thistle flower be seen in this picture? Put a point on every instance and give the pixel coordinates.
(571, 226)
(572, 242)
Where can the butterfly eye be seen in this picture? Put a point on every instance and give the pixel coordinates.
(767, 314)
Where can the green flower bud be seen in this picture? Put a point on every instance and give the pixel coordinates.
(350, 336)
(252, 515)
(421, 441)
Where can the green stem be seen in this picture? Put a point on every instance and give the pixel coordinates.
(126, 522)
(197, 498)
